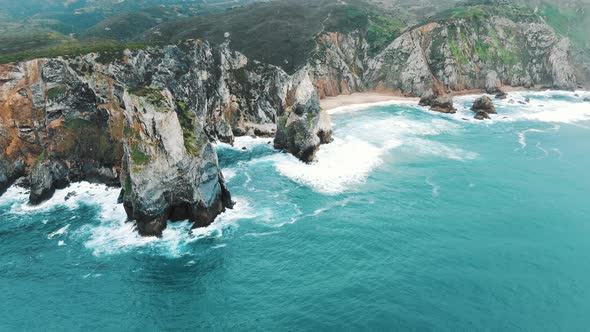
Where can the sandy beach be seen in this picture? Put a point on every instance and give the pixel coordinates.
(361, 98)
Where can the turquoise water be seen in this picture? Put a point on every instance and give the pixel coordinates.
(410, 220)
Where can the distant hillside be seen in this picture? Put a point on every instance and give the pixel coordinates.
(279, 32)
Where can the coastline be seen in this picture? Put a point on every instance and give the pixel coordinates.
(364, 99)
(368, 99)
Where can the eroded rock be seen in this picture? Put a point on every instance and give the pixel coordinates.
(443, 104)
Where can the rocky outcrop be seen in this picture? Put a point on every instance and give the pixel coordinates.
(443, 104)
(45, 178)
(168, 173)
(483, 106)
(466, 53)
(337, 64)
(9, 172)
(303, 126)
(145, 120)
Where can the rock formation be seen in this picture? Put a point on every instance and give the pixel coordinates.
(483, 106)
(443, 104)
(145, 120)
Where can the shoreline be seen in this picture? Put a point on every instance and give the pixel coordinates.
(364, 99)
(368, 99)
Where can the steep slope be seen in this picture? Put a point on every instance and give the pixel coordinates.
(145, 121)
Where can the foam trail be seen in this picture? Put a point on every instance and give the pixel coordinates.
(60, 231)
(360, 107)
(359, 146)
(522, 135)
(247, 142)
(538, 145)
(434, 186)
(261, 234)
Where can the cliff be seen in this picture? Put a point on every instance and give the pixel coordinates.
(145, 120)
(461, 52)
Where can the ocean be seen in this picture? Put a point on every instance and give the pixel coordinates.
(409, 220)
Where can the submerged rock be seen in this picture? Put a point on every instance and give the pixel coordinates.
(501, 95)
(481, 115)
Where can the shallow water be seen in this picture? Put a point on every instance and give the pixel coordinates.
(409, 220)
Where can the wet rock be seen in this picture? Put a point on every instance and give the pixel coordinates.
(304, 126)
(70, 195)
(527, 100)
(45, 178)
(501, 95)
(10, 172)
(443, 104)
(587, 99)
(481, 115)
(484, 104)
(165, 175)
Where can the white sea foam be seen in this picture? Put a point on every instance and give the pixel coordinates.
(61, 243)
(342, 163)
(522, 136)
(434, 186)
(247, 142)
(60, 231)
(359, 147)
(228, 173)
(14, 195)
(543, 107)
(261, 234)
(360, 107)
(115, 236)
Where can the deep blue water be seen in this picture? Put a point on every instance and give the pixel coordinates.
(410, 220)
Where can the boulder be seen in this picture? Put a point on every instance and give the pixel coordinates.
(484, 104)
(501, 95)
(483, 107)
(481, 115)
(443, 104)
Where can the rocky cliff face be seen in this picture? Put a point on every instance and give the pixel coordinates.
(146, 120)
(337, 64)
(453, 54)
(462, 54)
